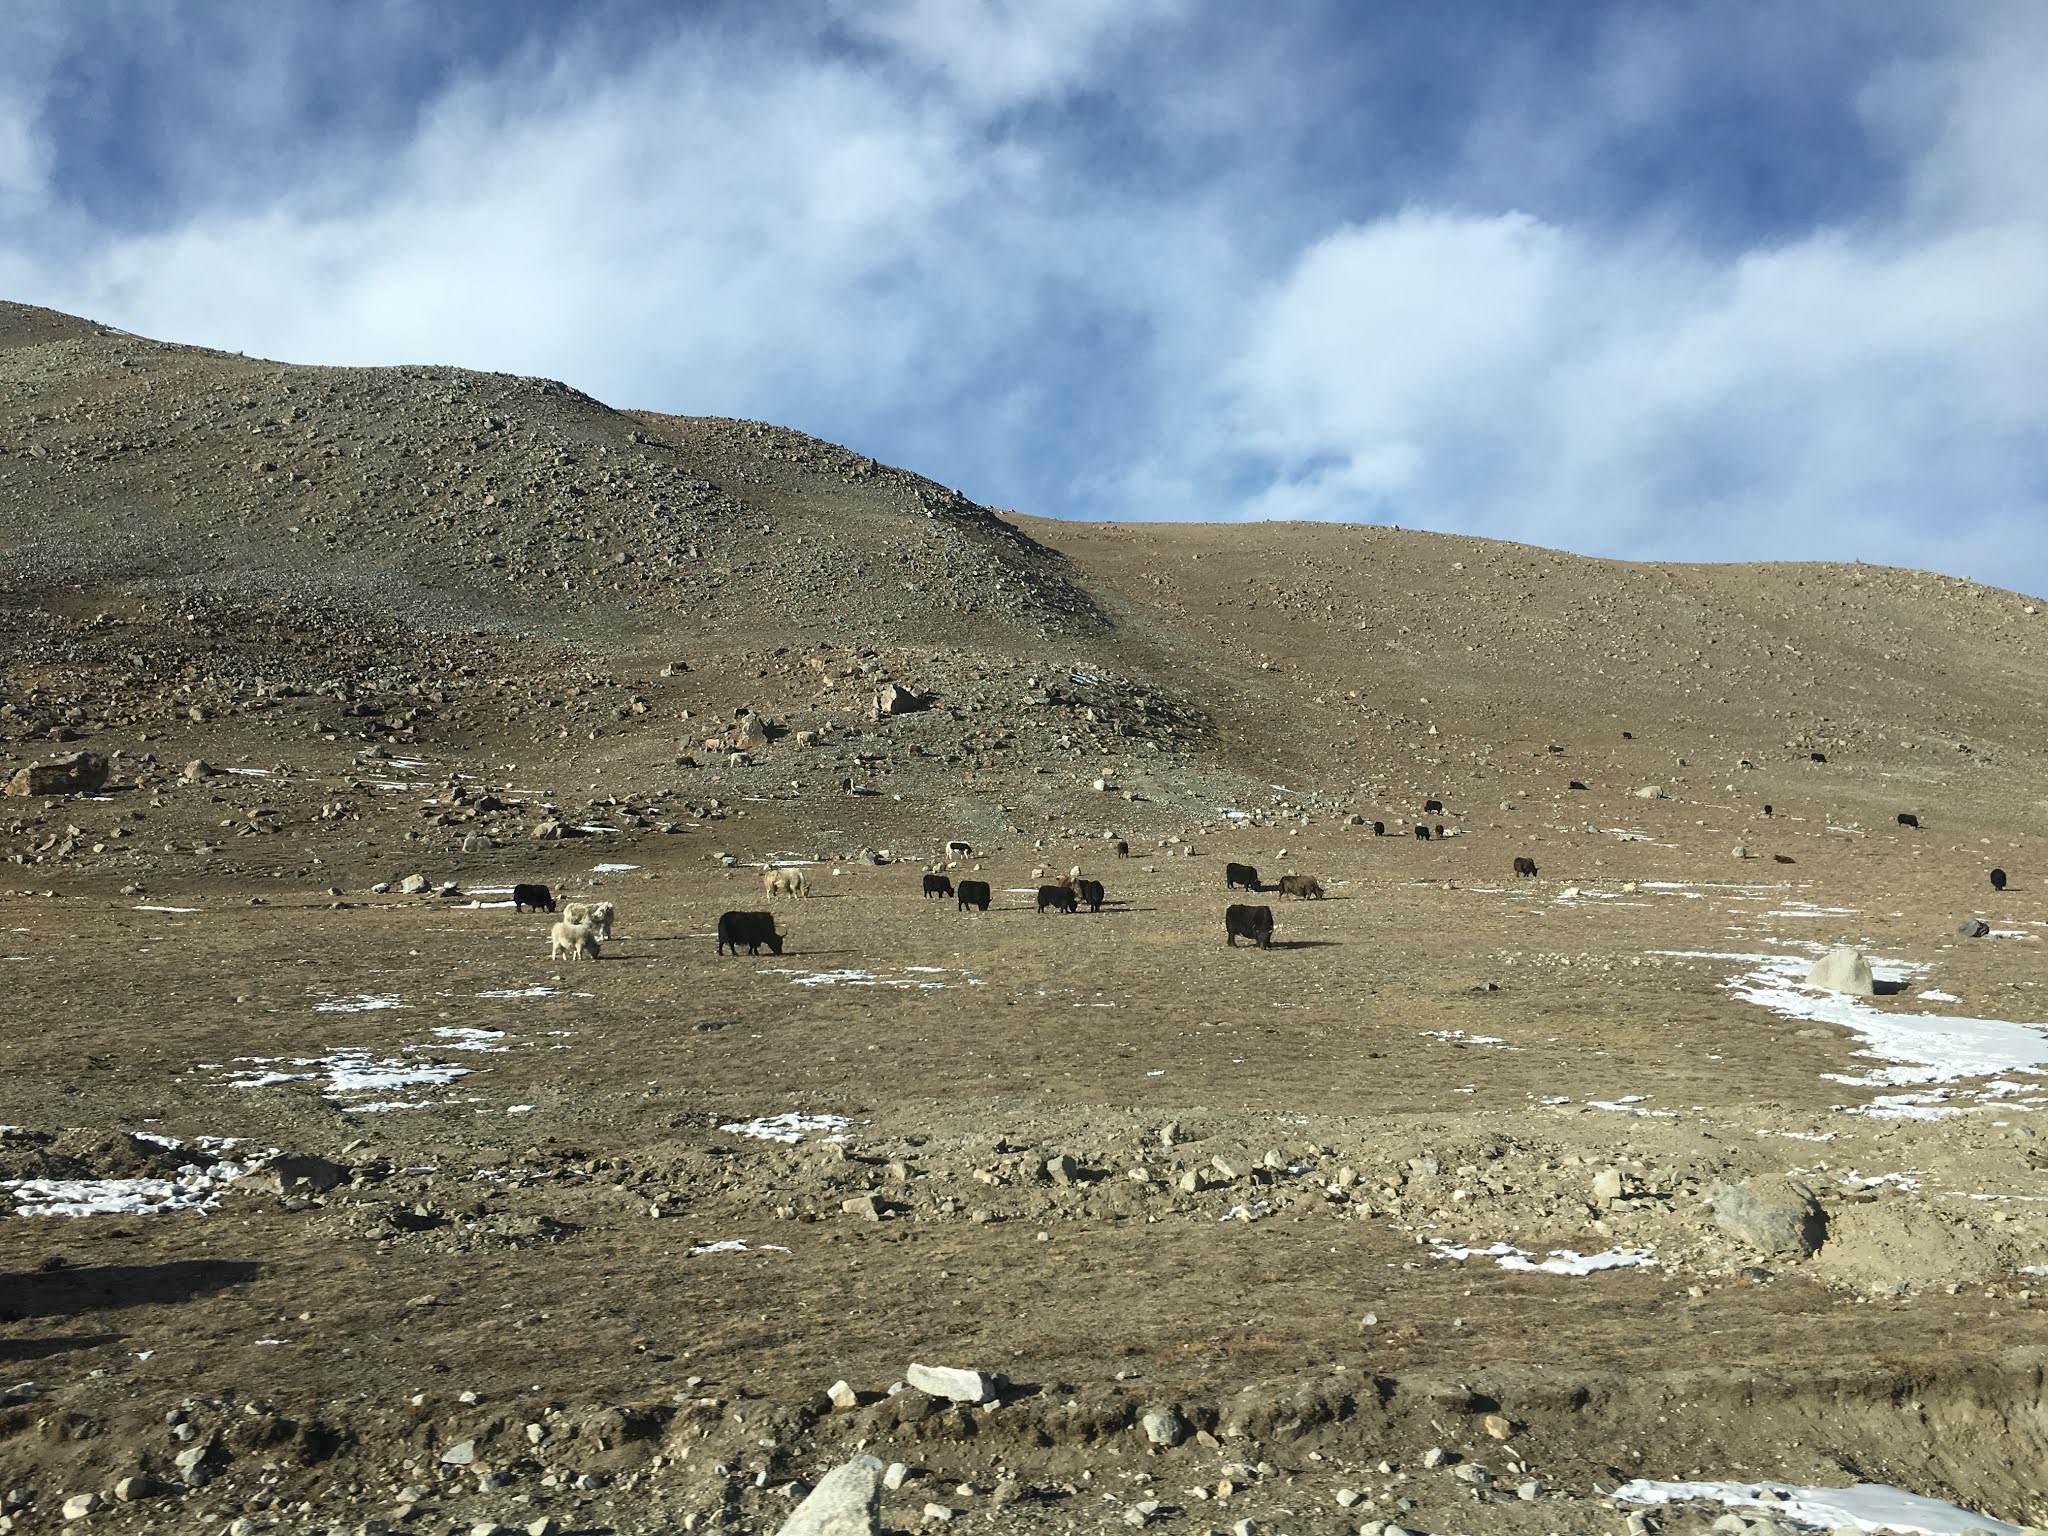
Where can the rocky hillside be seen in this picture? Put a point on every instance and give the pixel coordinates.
(191, 528)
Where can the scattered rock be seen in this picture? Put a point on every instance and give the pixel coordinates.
(1780, 1220)
(1843, 970)
(960, 1386)
(1164, 1426)
(1973, 928)
(412, 885)
(843, 1504)
(75, 773)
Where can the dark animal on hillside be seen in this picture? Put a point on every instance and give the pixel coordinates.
(1123, 849)
(1818, 757)
(1783, 858)
(1433, 807)
(1379, 829)
(534, 896)
(1908, 819)
(1576, 784)
(1525, 867)
(1304, 887)
(1767, 810)
(1628, 735)
(752, 929)
(1439, 831)
(1421, 833)
(1235, 875)
(959, 850)
(937, 885)
(971, 893)
(1998, 879)
(1090, 892)
(1254, 923)
(1059, 897)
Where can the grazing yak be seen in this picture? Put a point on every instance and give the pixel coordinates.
(1525, 867)
(971, 893)
(1432, 807)
(1998, 879)
(752, 929)
(572, 941)
(1379, 829)
(597, 915)
(1421, 833)
(1123, 849)
(1235, 875)
(784, 882)
(937, 885)
(1302, 887)
(1254, 923)
(1908, 819)
(1783, 858)
(537, 897)
(1059, 897)
(1090, 892)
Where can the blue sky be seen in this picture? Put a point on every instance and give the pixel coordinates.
(1653, 279)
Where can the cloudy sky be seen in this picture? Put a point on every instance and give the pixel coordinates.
(1720, 279)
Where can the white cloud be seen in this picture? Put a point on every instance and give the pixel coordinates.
(1871, 389)
(875, 242)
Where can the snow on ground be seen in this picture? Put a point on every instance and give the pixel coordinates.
(611, 869)
(362, 1002)
(791, 1127)
(852, 976)
(167, 909)
(1459, 1037)
(1923, 1047)
(191, 1188)
(735, 1245)
(458, 1038)
(1863, 1506)
(1562, 1261)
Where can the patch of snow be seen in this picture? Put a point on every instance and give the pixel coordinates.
(458, 1038)
(1562, 1261)
(535, 990)
(1932, 996)
(165, 909)
(611, 869)
(853, 976)
(1628, 1105)
(1926, 1047)
(362, 1002)
(788, 1128)
(1865, 1506)
(191, 1188)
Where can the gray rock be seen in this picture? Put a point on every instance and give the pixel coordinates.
(412, 885)
(1780, 1220)
(1608, 1186)
(843, 1504)
(960, 1386)
(1843, 970)
(1164, 1426)
(1061, 1169)
(294, 1173)
(892, 1477)
(79, 1505)
(842, 1395)
(1974, 928)
(460, 1455)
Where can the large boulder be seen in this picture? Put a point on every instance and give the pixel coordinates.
(75, 773)
(845, 1502)
(1779, 1219)
(750, 735)
(897, 700)
(1843, 970)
